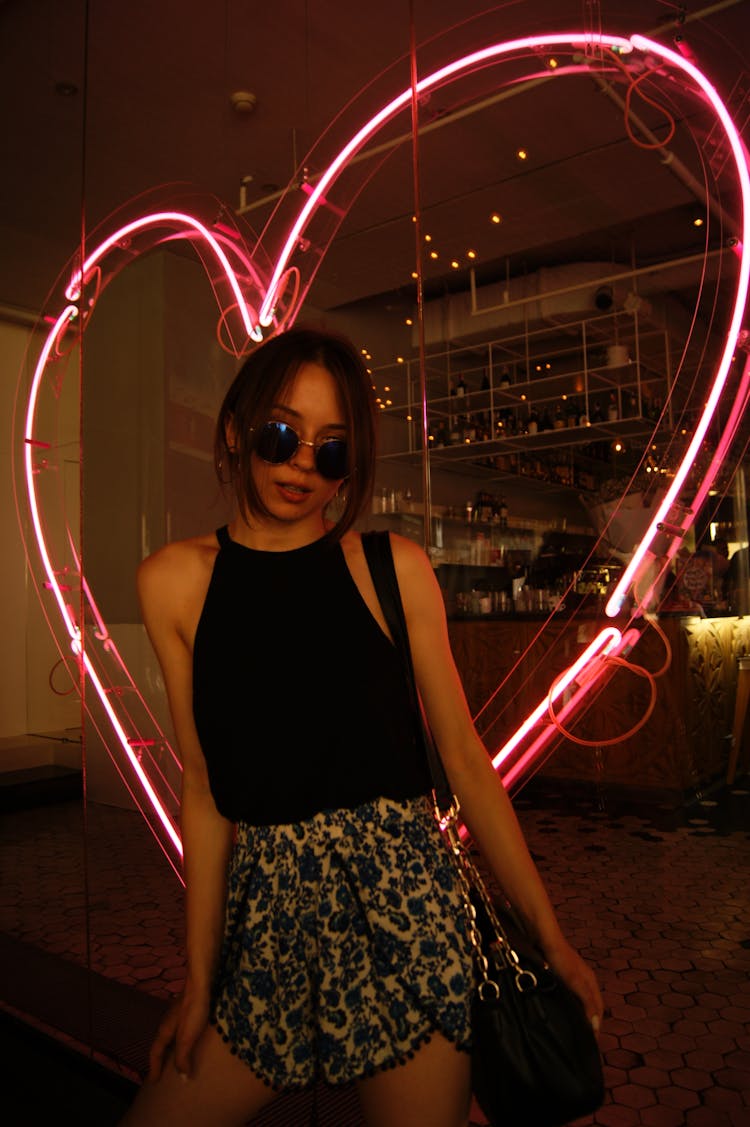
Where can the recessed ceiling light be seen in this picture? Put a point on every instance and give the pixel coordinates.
(522, 154)
(496, 217)
(455, 264)
(471, 254)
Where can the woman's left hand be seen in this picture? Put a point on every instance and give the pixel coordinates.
(578, 975)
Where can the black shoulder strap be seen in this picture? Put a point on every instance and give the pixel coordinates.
(377, 549)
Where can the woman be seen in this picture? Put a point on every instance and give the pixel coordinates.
(325, 935)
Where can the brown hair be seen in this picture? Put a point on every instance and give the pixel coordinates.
(263, 379)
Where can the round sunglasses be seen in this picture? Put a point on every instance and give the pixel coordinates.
(277, 442)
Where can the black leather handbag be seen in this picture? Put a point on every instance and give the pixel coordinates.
(535, 1060)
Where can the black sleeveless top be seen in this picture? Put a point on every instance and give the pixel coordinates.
(299, 698)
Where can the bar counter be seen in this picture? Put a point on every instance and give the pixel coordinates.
(684, 745)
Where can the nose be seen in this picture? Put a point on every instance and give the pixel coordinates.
(304, 455)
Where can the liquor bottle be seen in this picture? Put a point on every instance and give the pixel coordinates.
(596, 413)
(504, 380)
(545, 423)
(532, 424)
(558, 422)
(502, 512)
(461, 387)
(612, 411)
(571, 413)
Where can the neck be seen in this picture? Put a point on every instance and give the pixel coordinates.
(276, 536)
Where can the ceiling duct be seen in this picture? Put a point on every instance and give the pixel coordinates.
(558, 295)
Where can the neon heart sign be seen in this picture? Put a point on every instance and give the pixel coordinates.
(259, 290)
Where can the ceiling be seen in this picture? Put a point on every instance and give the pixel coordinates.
(104, 101)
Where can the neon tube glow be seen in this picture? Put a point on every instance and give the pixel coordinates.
(581, 674)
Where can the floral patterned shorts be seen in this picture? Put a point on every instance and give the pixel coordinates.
(345, 944)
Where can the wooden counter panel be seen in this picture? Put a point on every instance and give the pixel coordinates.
(684, 744)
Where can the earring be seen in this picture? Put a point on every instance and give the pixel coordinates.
(231, 450)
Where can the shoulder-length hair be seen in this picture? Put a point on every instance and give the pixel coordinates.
(262, 381)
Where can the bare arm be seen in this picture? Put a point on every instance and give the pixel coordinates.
(170, 588)
(485, 806)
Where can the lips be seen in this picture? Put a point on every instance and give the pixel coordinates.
(292, 491)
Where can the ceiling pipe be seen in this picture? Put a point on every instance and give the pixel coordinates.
(605, 279)
(669, 158)
(476, 107)
(386, 146)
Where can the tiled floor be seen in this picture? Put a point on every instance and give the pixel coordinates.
(658, 899)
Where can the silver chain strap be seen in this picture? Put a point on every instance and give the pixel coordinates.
(501, 949)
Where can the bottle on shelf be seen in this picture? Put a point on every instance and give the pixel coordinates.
(558, 421)
(596, 413)
(612, 412)
(545, 421)
(504, 376)
(532, 423)
(502, 512)
(571, 413)
(461, 387)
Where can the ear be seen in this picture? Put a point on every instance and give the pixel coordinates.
(230, 435)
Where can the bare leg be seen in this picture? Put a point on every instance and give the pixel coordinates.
(433, 1088)
(221, 1092)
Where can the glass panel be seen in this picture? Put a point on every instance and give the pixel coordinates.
(44, 924)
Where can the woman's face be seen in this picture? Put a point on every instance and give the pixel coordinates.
(294, 491)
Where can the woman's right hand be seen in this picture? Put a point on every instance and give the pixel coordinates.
(178, 1033)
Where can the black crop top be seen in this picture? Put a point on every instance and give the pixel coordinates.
(299, 698)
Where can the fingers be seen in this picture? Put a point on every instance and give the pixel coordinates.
(156, 1057)
(183, 1056)
(165, 1036)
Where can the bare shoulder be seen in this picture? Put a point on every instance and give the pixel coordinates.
(178, 563)
(412, 563)
(172, 583)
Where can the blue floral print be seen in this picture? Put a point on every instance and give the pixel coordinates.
(345, 944)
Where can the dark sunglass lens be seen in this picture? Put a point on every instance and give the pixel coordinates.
(276, 443)
(331, 459)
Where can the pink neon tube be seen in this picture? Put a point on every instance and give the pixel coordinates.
(592, 661)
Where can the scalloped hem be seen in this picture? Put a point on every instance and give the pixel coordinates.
(395, 1061)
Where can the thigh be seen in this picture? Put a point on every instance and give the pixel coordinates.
(433, 1087)
(221, 1092)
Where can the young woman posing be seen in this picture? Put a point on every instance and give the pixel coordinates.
(325, 933)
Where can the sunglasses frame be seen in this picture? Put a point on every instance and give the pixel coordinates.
(316, 447)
